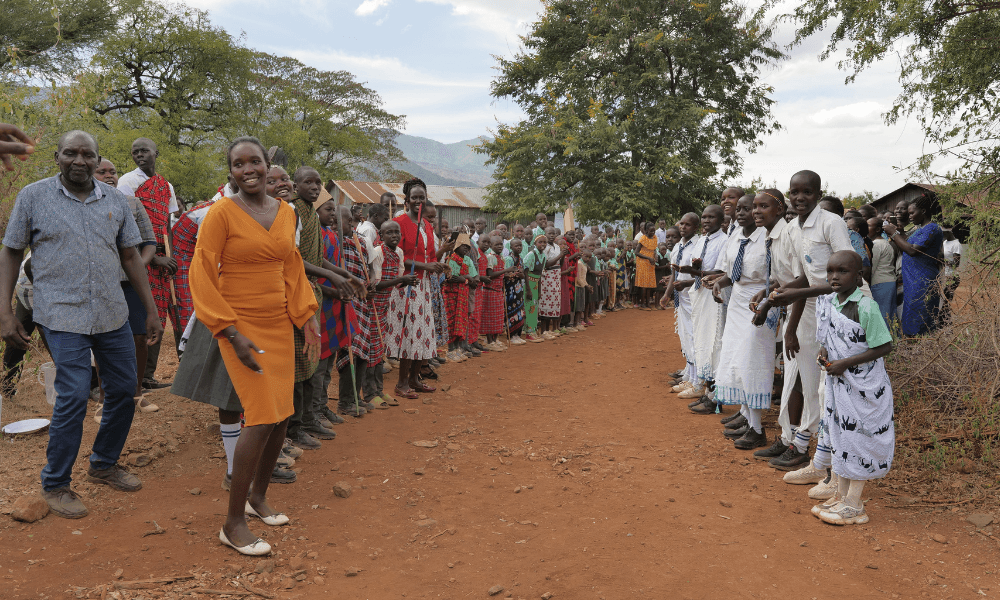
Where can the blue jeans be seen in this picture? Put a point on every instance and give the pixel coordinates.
(115, 355)
(884, 295)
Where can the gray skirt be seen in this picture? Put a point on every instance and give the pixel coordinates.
(202, 375)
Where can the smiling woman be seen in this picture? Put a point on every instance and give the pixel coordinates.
(248, 243)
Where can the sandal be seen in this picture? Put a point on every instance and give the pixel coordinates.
(410, 394)
(428, 373)
(145, 405)
(423, 388)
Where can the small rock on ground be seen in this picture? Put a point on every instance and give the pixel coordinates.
(265, 566)
(937, 537)
(29, 509)
(493, 591)
(195, 491)
(426, 523)
(980, 520)
(425, 443)
(352, 572)
(342, 489)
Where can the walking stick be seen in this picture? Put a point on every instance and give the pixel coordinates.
(343, 311)
(174, 315)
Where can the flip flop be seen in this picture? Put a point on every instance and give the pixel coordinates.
(406, 394)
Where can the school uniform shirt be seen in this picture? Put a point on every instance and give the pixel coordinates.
(685, 251)
(785, 263)
(883, 262)
(708, 248)
(661, 236)
(367, 232)
(822, 234)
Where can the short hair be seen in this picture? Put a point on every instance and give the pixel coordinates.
(867, 211)
(412, 183)
(74, 133)
(246, 139)
(817, 181)
(378, 210)
(838, 206)
(776, 195)
(301, 172)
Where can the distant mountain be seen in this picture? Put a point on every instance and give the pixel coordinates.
(449, 164)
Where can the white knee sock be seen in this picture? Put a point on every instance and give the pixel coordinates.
(843, 486)
(822, 459)
(753, 416)
(801, 441)
(853, 498)
(230, 435)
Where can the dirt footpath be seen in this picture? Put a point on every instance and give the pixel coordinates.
(559, 468)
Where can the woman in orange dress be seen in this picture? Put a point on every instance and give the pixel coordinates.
(645, 265)
(250, 288)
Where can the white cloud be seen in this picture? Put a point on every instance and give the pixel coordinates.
(381, 68)
(506, 19)
(370, 6)
(858, 114)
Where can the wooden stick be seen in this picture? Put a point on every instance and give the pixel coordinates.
(256, 591)
(146, 584)
(216, 592)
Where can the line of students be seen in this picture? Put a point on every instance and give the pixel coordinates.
(744, 293)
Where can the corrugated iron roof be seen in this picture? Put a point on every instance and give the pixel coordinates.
(369, 192)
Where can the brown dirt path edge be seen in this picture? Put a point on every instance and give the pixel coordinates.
(561, 468)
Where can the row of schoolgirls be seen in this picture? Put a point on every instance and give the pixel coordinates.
(747, 286)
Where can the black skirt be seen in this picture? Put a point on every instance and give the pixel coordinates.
(202, 375)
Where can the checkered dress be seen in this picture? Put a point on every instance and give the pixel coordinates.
(456, 301)
(364, 343)
(154, 193)
(334, 314)
(476, 319)
(185, 237)
(392, 268)
(493, 312)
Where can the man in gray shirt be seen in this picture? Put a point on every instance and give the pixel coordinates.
(81, 233)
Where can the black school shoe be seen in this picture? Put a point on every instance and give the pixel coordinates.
(319, 432)
(735, 434)
(153, 384)
(751, 439)
(279, 475)
(705, 407)
(791, 460)
(736, 423)
(331, 416)
(303, 440)
(774, 451)
(731, 418)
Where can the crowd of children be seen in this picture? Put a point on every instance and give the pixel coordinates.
(770, 297)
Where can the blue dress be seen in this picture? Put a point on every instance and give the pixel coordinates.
(920, 290)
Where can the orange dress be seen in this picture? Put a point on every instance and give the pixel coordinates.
(645, 273)
(252, 278)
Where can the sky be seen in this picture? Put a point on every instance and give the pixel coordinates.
(433, 61)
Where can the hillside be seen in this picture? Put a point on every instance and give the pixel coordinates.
(444, 164)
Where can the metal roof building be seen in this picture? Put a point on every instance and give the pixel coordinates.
(453, 203)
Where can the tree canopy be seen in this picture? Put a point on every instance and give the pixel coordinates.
(166, 72)
(634, 108)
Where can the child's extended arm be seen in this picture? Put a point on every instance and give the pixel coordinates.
(399, 281)
(837, 367)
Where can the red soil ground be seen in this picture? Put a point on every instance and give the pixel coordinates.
(560, 468)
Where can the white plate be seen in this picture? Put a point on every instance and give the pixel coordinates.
(25, 426)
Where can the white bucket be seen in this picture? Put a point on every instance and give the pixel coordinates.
(47, 377)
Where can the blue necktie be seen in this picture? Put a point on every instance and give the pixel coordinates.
(704, 250)
(738, 263)
(767, 263)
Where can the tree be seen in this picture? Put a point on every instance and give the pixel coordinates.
(47, 37)
(633, 107)
(324, 119)
(949, 54)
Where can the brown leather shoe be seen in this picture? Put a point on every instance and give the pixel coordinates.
(65, 503)
(116, 477)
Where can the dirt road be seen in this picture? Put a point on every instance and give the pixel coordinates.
(560, 468)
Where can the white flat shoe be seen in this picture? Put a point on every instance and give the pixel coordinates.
(258, 548)
(274, 520)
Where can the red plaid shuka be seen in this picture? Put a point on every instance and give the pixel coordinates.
(185, 237)
(154, 193)
(365, 343)
(456, 302)
(392, 268)
(493, 311)
(476, 319)
(334, 314)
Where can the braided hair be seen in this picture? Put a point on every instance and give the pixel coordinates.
(776, 195)
(412, 183)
